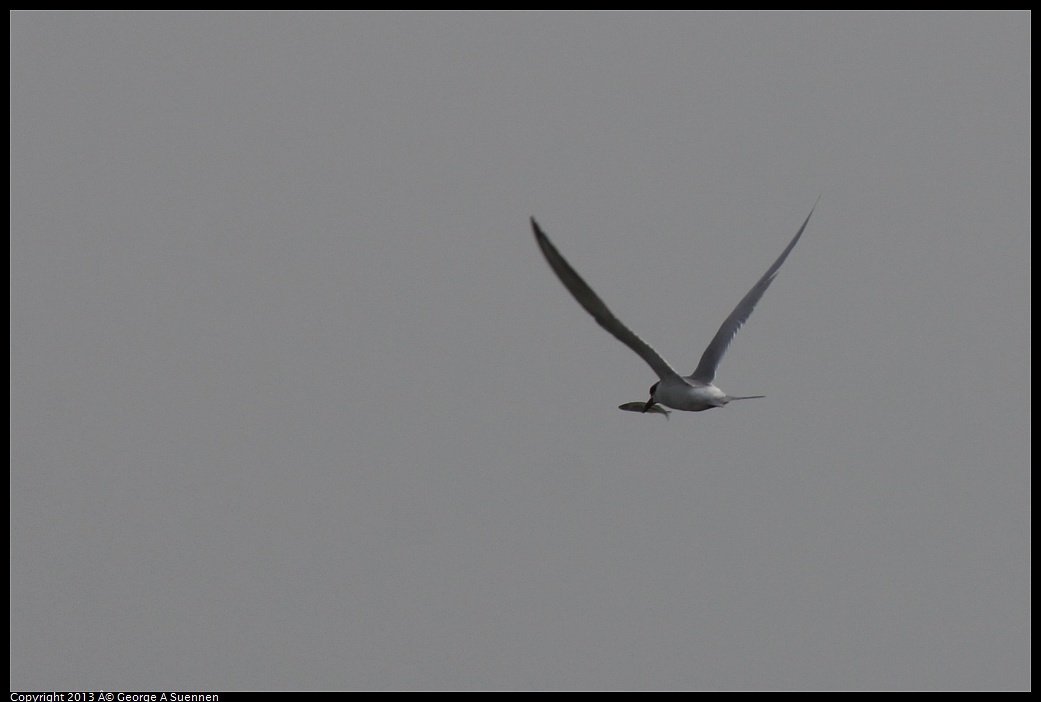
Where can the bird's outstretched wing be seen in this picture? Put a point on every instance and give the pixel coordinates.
(706, 370)
(596, 307)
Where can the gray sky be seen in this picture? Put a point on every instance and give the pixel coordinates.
(297, 403)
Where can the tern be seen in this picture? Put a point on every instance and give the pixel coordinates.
(692, 393)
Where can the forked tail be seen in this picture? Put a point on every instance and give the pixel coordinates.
(746, 397)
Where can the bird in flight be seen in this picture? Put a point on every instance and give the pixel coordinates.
(695, 392)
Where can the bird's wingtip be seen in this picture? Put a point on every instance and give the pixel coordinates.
(815, 202)
(539, 234)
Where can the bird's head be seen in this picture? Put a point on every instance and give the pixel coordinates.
(650, 402)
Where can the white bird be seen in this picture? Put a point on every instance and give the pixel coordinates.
(695, 392)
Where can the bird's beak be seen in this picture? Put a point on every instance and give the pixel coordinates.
(650, 403)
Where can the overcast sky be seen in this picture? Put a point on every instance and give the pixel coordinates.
(297, 403)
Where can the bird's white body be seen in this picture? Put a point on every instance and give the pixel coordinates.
(692, 393)
(689, 395)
